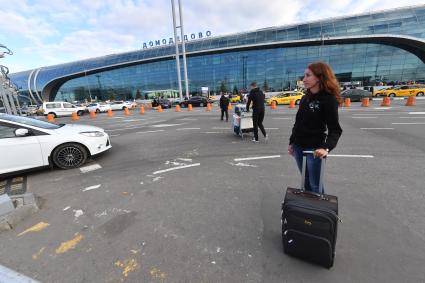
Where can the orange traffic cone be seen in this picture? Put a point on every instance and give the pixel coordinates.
(50, 118)
(126, 111)
(142, 110)
(347, 102)
(177, 108)
(209, 107)
(92, 114)
(74, 116)
(110, 114)
(292, 103)
(386, 101)
(365, 102)
(230, 107)
(411, 101)
(189, 107)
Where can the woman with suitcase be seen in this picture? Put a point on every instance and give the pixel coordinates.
(316, 125)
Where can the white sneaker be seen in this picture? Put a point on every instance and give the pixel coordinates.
(253, 140)
(266, 138)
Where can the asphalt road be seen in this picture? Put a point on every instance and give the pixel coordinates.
(136, 218)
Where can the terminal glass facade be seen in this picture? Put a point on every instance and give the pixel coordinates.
(217, 64)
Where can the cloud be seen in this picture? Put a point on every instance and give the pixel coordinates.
(65, 30)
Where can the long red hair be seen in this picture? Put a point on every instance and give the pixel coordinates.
(327, 79)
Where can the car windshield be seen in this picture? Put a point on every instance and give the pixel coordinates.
(29, 122)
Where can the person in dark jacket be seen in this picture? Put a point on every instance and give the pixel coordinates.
(224, 105)
(257, 97)
(316, 125)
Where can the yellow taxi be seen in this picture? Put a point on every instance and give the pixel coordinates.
(286, 97)
(405, 90)
(235, 99)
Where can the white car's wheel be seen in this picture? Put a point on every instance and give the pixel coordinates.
(69, 155)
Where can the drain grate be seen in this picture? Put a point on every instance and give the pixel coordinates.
(13, 186)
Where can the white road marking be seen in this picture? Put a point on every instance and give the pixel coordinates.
(78, 213)
(185, 159)
(212, 132)
(149, 132)
(115, 135)
(92, 188)
(418, 123)
(364, 117)
(272, 128)
(184, 129)
(176, 168)
(90, 168)
(9, 275)
(416, 113)
(382, 108)
(188, 119)
(133, 120)
(66, 208)
(411, 117)
(376, 128)
(283, 118)
(241, 164)
(221, 128)
(257, 157)
(165, 125)
(351, 155)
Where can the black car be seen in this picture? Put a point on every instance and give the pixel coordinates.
(356, 94)
(165, 103)
(196, 101)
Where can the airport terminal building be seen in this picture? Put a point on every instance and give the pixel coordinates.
(386, 46)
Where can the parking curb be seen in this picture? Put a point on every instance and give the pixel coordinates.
(25, 205)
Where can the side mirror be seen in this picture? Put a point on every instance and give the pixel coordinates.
(21, 132)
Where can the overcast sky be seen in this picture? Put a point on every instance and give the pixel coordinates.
(48, 32)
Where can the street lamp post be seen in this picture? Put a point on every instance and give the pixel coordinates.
(176, 42)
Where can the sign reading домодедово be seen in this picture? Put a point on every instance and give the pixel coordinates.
(164, 41)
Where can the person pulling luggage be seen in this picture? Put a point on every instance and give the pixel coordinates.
(316, 125)
(258, 110)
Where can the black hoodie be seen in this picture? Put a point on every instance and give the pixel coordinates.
(317, 114)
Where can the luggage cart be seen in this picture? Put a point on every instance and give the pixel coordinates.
(242, 121)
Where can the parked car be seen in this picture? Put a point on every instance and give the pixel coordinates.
(356, 94)
(196, 101)
(29, 110)
(98, 107)
(120, 105)
(27, 143)
(405, 90)
(165, 103)
(60, 108)
(285, 98)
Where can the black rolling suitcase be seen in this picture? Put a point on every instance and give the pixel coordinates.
(309, 222)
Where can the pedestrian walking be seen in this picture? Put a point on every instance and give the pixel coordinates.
(316, 125)
(224, 105)
(258, 110)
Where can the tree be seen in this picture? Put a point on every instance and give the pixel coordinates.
(138, 94)
(265, 85)
(223, 87)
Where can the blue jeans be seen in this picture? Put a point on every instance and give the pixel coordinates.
(312, 174)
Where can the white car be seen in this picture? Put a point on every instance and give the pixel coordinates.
(98, 107)
(120, 105)
(27, 143)
(60, 108)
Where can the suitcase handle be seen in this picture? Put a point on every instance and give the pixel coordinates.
(322, 171)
